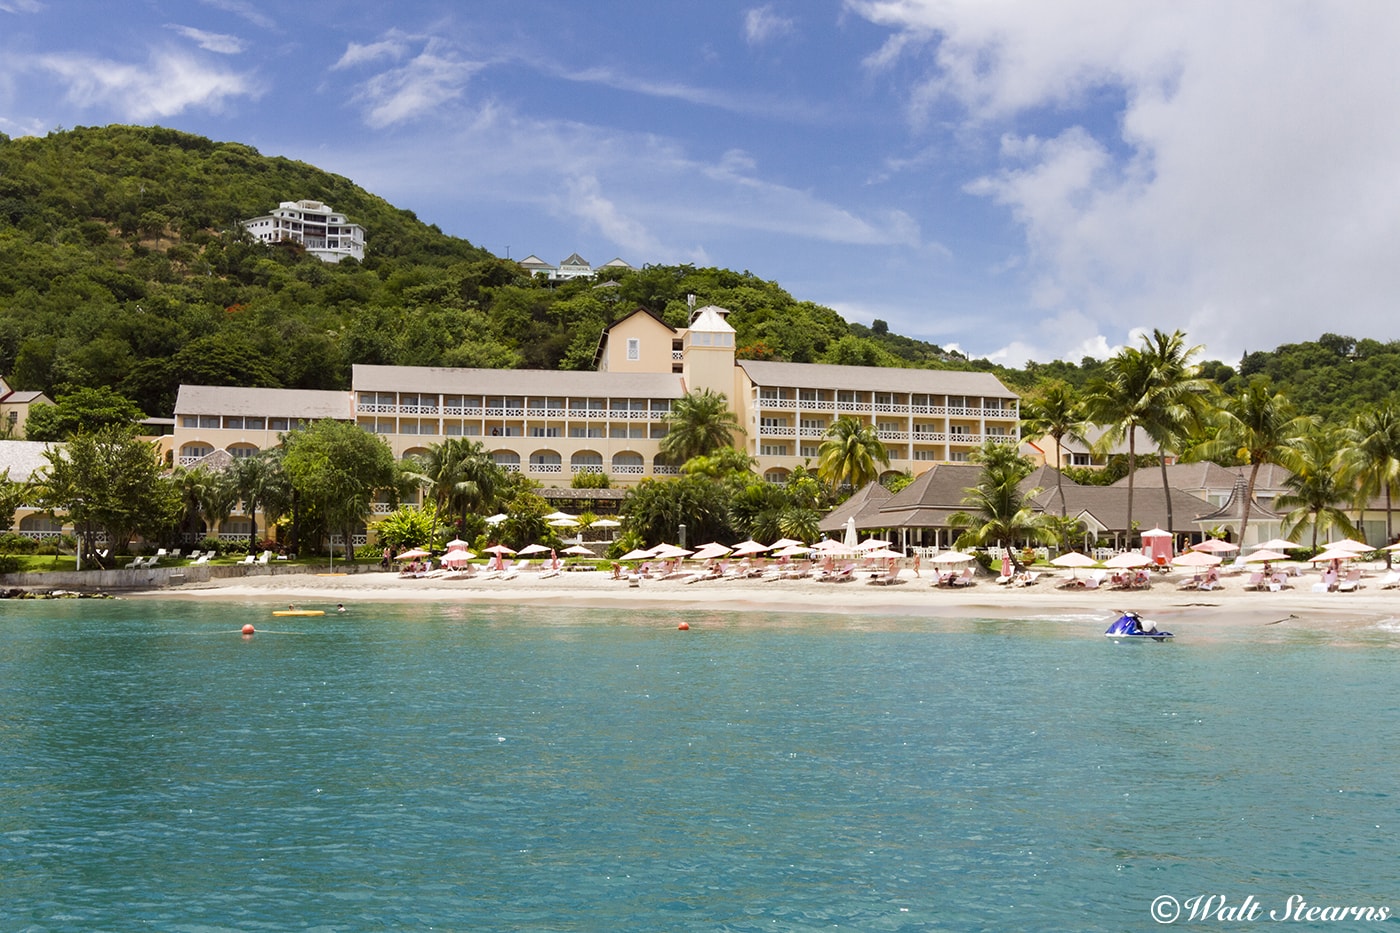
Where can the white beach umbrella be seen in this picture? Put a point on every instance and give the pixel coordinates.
(951, 557)
(1259, 557)
(1156, 533)
(578, 550)
(746, 548)
(1274, 544)
(456, 542)
(413, 554)
(1074, 559)
(556, 516)
(784, 542)
(636, 555)
(563, 523)
(533, 549)
(499, 549)
(605, 523)
(792, 550)
(851, 536)
(883, 553)
(827, 545)
(872, 544)
(497, 518)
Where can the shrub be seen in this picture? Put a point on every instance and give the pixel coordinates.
(11, 543)
(9, 563)
(210, 543)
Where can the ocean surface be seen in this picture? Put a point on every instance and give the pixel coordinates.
(455, 768)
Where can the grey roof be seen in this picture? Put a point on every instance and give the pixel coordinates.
(534, 382)
(1208, 475)
(934, 496)
(1109, 506)
(23, 458)
(874, 378)
(1233, 509)
(312, 404)
(864, 504)
(23, 396)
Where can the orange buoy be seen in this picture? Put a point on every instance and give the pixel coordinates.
(248, 629)
(684, 626)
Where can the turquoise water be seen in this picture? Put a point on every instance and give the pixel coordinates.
(498, 769)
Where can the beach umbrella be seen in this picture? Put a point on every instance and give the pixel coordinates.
(455, 543)
(883, 553)
(951, 557)
(1215, 546)
(605, 523)
(578, 550)
(457, 556)
(414, 554)
(792, 550)
(636, 555)
(563, 523)
(1156, 533)
(556, 516)
(710, 552)
(851, 536)
(784, 542)
(1259, 557)
(497, 518)
(827, 545)
(1196, 559)
(499, 550)
(1274, 544)
(1334, 554)
(1074, 559)
(871, 544)
(1128, 560)
(1392, 547)
(745, 548)
(533, 549)
(1356, 547)
(668, 551)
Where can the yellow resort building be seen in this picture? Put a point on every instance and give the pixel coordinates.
(551, 425)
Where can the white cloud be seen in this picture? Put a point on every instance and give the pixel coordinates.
(646, 194)
(1242, 187)
(243, 9)
(427, 81)
(394, 46)
(168, 83)
(210, 41)
(762, 24)
(20, 6)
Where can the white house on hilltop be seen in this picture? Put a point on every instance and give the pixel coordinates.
(575, 267)
(326, 235)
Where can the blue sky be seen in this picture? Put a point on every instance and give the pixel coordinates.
(1020, 180)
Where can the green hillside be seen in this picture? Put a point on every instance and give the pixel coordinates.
(122, 266)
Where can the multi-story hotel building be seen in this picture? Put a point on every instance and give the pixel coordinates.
(326, 235)
(551, 425)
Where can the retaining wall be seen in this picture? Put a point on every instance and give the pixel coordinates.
(155, 577)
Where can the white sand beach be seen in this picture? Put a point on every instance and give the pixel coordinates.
(1229, 606)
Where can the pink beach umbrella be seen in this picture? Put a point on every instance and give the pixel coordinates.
(749, 548)
(1128, 560)
(1196, 559)
(1215, 546)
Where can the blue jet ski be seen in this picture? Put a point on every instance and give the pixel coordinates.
(1129, 626)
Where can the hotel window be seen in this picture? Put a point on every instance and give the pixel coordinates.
(817, 423)
(959, 429)
(996, 430)
(807, 395)
(277, 424)
(189, 421)
(925, 455)
(772, 423)
(618, 430)
(252, 424)
(887, 426)
(233, 423)
(773, 450)
(578, 431)
(634, 348)
(768, 395)
(453, 430)
(958, 456)
(544, 432)
(208, 421)
(884, 398)
(811, 450)
(658, 431)
(846, 397)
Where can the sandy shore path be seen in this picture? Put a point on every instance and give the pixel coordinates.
(1227, 607)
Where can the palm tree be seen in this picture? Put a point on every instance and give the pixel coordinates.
(1256, 427)
(1372, 456)
(1123, 400)
(1316, 487)
(1177, 398)
(257, 480)
(1055, 412)
(851, 454)
(999, 512)
(458, 474)
(699, 424)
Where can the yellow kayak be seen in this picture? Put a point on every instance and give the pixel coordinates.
(298, 612)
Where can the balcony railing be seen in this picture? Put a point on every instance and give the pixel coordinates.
(885, 408)
(585, 468)
(628, 469)
(546, 467)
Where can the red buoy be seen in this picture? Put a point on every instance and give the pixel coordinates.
(684, 626)
(248, 629)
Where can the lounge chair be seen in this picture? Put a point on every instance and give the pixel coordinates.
(264, 557)
(203, 559)
(1352, 583)
(1390, 581)
(1026, 578)
(1256, 581)
(248, 560)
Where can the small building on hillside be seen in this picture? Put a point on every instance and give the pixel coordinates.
(325, 234)
(575, 267)
(14, 409)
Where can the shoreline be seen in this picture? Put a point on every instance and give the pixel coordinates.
(1228, 607)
